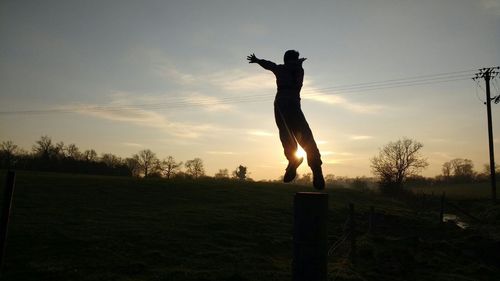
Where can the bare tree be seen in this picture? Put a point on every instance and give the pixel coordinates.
(240, 172)
(133, 165)
(44, 148)
(397, 161)
(486, 169)
(463, 168)
(147, 161)
(460, 169)
(8, 147)
(359, 183)
(73, 152)
(59, 150)
(446, 169)
(110, 160)
(305, 179)
(156, 170)
(170, 167)
(329, 178)
(8, 150)
(195, 168)
(90, 155)
(222, 174)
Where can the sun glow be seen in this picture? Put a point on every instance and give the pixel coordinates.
(300, 153)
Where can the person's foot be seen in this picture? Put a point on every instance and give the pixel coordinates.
(318, 180)
(291, 169)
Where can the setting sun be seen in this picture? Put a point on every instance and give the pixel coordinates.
(300, 153)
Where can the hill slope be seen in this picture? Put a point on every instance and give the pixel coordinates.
(73, 227)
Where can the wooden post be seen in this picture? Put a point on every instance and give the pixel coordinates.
(310, 237)
(352, 233)
(441, 212)
(6, 204)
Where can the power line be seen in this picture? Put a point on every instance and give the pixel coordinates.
(398, 85)
(496, 99)
(189, 103)
(183, 102)
(403, 80)
(477, 85)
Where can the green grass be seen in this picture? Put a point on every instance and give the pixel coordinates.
(74, 227)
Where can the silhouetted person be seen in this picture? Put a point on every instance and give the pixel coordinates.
(291, 121)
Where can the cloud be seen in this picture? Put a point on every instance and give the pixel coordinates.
(239, 81)
(361, 137)
(332, 162)
(131, 144)
(311, 93)
(441, 155)
(340, 101)
(143, 118)
(208, 103)
(342, 157)
(233, 85)
(232, 80)
(349, 157)
(260, 133)
(173, 74)
(221, 152)
(162, 65)
(327, 153)
(163, 101)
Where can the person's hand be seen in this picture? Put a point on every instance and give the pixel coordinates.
(252, 58)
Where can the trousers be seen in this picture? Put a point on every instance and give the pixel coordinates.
(293, 129)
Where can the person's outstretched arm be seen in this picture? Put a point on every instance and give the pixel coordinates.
(269, 65)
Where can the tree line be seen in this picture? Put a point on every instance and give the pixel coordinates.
(400, 162)
(397, 164)
(46, 155)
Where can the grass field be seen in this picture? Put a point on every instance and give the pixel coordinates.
(461, 191)
(74, 227)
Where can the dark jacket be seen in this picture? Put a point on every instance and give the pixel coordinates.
(289, 77)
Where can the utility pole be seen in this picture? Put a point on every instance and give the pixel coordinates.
(487, 74)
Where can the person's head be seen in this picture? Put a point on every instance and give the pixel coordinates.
(291, 56)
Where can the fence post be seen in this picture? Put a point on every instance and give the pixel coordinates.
(352, 233)
(310, 237)
(441, 211)
(6, 204)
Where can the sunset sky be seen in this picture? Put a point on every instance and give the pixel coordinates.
(172, 76)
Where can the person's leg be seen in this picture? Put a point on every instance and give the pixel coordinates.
(304, 136)
(287, 140)
(302, 132)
